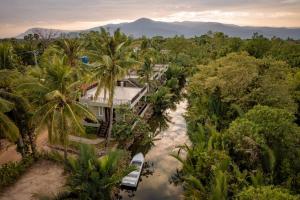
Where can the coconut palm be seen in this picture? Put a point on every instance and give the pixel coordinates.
(7, 126)
(19, 111)
(71, 48)
(56, 96)
(146, 71)
(94, 178)
(112, 63)
(21, 115)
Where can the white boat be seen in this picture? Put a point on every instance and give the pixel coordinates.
(132, 179)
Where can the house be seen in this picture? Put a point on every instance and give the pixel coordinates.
(129, 91)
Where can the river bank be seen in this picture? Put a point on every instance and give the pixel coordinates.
(160, 166)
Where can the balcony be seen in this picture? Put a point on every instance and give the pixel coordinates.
(123, 95)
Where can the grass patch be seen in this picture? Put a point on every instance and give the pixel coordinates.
(10, 172)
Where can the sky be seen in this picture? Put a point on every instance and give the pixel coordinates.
(16, 16)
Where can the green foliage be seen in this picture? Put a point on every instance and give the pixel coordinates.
(296, 93)
(240, 116)
(212, 46)
(94, 178)
(176, 72)
(56, 94)
(285, 50)
(264, 193)
(177, 45)
(146, 71)
(8, 59)
(27, 49)
(8, 129)
(90, 130)
(252, 102)
(10, 172)
(112, 57)
(239, 79)
(161, 100)
(19, 114)
(71, 48)
(123, 128)
(265, 138)
(258, 46)
(206, 172)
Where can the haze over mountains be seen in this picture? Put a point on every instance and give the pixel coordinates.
(150, 28)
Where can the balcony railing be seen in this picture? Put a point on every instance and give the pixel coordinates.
(105, 100)
(138, 94)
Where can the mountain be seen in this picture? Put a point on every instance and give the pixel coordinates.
(150, 28)
(44, 32)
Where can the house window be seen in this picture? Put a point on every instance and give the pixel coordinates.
(100, 111)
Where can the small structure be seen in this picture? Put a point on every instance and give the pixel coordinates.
(85, 59)
(129, 91)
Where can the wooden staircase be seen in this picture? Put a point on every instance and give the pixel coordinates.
(135, 82)
(103, 128)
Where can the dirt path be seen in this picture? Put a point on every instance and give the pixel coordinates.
(10, 154)
(44, 177)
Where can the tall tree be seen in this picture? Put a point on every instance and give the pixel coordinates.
(56, 94)
(146, 71)
(111, 54)
(71, 48)
(8, 129)
(20, 111)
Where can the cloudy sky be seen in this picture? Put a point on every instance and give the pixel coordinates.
(16, 16)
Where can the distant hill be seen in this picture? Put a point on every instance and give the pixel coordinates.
(44, 32)
(150, 28)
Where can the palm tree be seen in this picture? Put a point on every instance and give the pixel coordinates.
(94, 178)
(7, 126)
(71, 48)
(56, 96)
(21, 116)
(112, 63)
(19, 111)
(146, 71)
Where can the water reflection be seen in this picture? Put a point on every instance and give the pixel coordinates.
(156, 178)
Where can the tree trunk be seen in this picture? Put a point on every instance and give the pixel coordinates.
(111, 112)
(32, 143)
(21, 146)
(65, 153)
(108, 136)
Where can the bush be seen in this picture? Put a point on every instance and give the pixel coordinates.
(11, 171)
(90, 130)
(265, 193)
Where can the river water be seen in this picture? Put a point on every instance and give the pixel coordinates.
(160, 166)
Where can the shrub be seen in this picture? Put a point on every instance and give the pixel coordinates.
(11, 171)
(264, 193)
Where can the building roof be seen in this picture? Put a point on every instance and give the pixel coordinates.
(122, 95)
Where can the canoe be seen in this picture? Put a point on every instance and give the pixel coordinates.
(132, 179)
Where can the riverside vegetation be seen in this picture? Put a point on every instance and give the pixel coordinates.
(243, 109)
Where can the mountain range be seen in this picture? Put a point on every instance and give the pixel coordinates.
(150, 28)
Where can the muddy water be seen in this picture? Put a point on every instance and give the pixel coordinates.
(160, 166)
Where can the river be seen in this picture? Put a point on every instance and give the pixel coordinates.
(160, 166)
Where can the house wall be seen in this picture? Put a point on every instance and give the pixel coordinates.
(98, 112)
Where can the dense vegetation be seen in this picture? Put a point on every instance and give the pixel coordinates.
(243, 120)
(243, 108)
